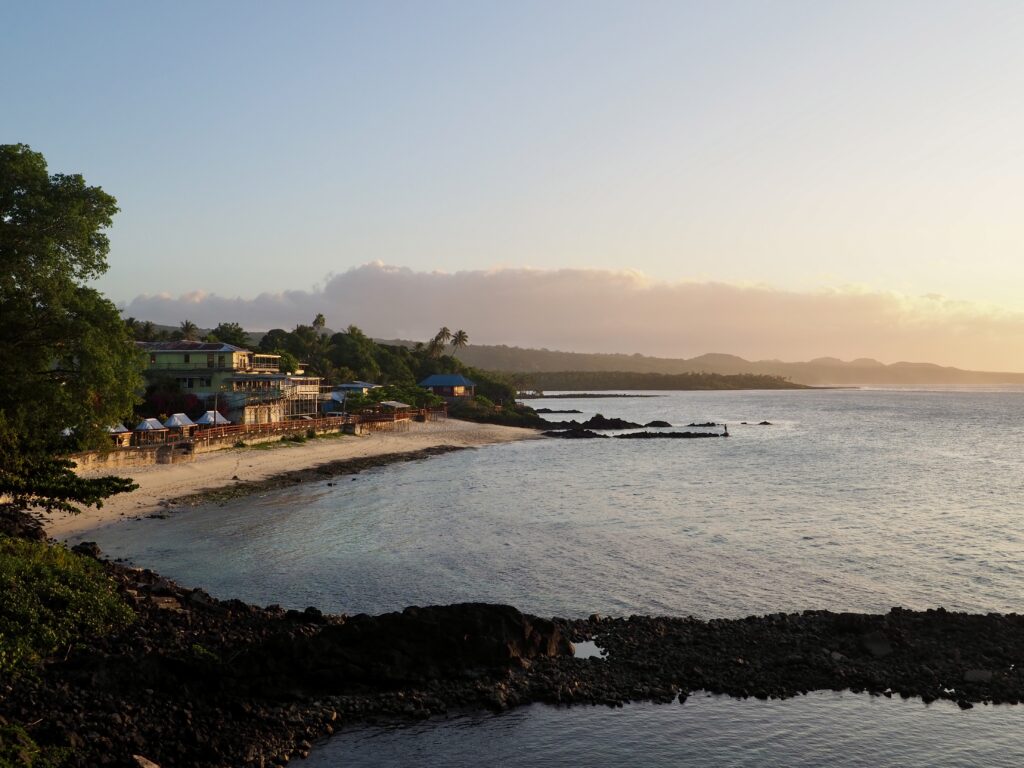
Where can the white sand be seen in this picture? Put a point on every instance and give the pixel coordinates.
(213, 470)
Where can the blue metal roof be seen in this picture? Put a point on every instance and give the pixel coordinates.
(447, 380)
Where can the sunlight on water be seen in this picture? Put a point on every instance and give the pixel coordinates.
(819, 729)
(850, 500)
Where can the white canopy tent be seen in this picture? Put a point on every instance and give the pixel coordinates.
(178, 420)
(212, 418)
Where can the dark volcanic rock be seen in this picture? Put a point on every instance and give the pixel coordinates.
(577, 433)
(89, 549)
(931, 654)
(201, 682)
(669, 435)
(413, 646)
(704, 424)
(602, 422)
(18, 524)
(657, 423)
(550, 410)
(595, 422)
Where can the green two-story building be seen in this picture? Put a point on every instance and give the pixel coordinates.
(249, 385)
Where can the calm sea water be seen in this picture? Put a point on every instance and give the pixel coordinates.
(850, 500)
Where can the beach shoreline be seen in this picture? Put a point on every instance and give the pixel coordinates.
(164, 485)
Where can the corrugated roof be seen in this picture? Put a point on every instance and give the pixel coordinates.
(118, 429)
(190, 346)
(447, 380)
(149, 424)
(395, 404)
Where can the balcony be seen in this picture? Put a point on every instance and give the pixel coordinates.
(205, 366)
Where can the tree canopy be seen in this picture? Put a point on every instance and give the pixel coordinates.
(230, 333)
(74, 368)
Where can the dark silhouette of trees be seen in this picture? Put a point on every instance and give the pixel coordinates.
(77, 367)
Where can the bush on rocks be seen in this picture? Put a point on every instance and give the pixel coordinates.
(51, 597)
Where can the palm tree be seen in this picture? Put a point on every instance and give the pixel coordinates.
(148, 331)
(189, 330)
(443, 336)
(460, 340)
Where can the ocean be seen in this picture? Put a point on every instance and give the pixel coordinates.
(854, 500)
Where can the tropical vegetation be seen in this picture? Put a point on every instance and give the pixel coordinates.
(77, 369)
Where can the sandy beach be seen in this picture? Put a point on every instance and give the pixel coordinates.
(166, 482)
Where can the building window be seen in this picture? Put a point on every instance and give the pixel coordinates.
(204, 382)
(188, 383)
(188, 358)
(152, 358)
(209, 360)
(220, 361)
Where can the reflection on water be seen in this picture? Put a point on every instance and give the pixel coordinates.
(820, 729)
(849, 501)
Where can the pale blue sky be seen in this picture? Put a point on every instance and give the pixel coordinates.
(259, 146)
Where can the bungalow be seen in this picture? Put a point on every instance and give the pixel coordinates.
(449, 385)
(120, 434)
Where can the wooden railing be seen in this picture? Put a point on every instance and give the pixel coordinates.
(399, 421)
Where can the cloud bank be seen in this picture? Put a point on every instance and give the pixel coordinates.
(604, 311)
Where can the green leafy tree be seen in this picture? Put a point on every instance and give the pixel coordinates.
(274, 340)
(288, 362)
(77, 367)
(231, 333)
(355, 350)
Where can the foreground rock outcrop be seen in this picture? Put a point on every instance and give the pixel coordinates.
(197, 681)
(934, 654)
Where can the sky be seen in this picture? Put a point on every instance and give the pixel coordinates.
(810, 153)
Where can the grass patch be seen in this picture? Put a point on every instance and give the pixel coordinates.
(19, 750)
(51, 596)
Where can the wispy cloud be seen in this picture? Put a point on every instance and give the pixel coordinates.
(598, 310)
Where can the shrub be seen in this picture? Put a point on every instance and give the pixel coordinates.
(51, 597)
(18, 750)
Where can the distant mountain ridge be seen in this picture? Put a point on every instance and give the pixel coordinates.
(822, 371)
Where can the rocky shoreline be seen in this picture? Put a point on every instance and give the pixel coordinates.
(323, 471)
(197, 681)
